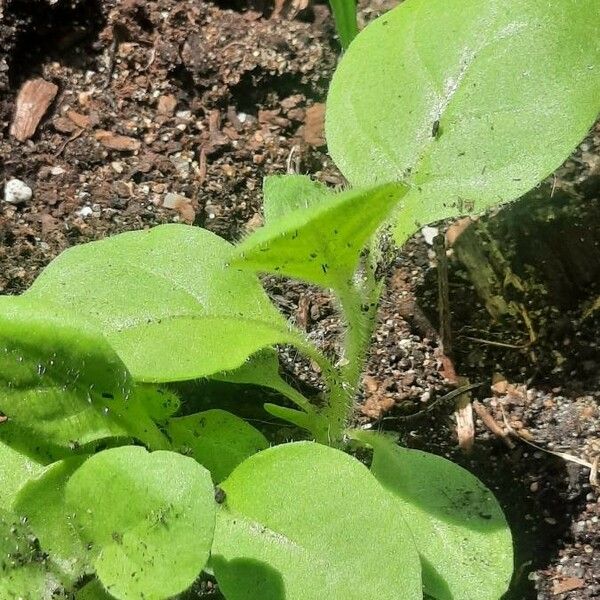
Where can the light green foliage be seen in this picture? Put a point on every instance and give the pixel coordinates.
(217, 439)
(62, 386)
(457, 524)
(24, 573)
(165, 300)
(263, 369)
(471, 102)
(149, 518)
(160, 403)
(283, 194)
(42, 503)
(321, 243)
(344, 14)
(93, 591)
(15, 470)
(312, 521)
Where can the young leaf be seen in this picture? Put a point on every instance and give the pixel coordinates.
(24, 572)
(151, 535)
(312, 521)
(15, 470)
(217, 439)
(321, 243)
(160, 403)
(42, 503)
(472, 102)
(460, 531)
(63, 386)
(165, 300)
(283, 194)
(344, 14)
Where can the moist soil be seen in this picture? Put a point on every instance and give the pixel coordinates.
(175, 110)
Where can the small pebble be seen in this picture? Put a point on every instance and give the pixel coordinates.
(85, 212)
(17, 192)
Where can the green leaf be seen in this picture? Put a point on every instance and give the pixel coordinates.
(93, 591)
(151, 535)
(160, 403)
(322, 243)
(472, 102)
(24, 572)
(217, 439)
(15, 470)
(165, 300)
(63, 386)
(283, 194)
(344, 14)
(458, 526)
(312, 521)
(42, 503)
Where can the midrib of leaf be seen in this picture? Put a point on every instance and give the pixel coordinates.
(258, 531)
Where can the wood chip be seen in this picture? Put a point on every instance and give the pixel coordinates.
(491, 424)
(455, 230)
(80, 120)
(569, 584)
(122, 143)
(33, 100)
(314, 125)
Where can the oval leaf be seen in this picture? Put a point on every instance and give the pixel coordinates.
(15, 470)
(459, 528)
(305, 522)
(63, 386)
(217, 439)
(151, 535)
(470, 101)
(165, 300)
(42, 503)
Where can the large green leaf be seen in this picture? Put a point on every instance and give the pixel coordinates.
(93, 591)
(15, 470)
(459, 528)
(321, 243)
(42, 503)
(217, 439)
(150, 536)
(303, 521)
(166, 301)
(63, 386)
(472, 102)
(286, 193)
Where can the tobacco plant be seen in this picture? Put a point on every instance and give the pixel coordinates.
(438, 108)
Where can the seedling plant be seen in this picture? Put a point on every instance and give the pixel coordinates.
(438, 108)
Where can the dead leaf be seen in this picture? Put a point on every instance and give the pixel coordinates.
(33, 100)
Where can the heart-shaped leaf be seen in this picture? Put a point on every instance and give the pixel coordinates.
(41, 502)
(217, 439)
(321, 243)
(472, 102)
(165, 300)
(458, 526)
(303, 521)
(151, 535)
(63, 386)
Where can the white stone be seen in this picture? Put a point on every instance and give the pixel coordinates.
(429, 233)
(17, 192)
(85, 212)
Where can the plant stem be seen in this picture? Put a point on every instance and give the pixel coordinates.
(344, 15)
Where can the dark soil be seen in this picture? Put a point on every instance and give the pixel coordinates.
(214, 99)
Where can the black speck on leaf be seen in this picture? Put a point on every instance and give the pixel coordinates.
(220, 495)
